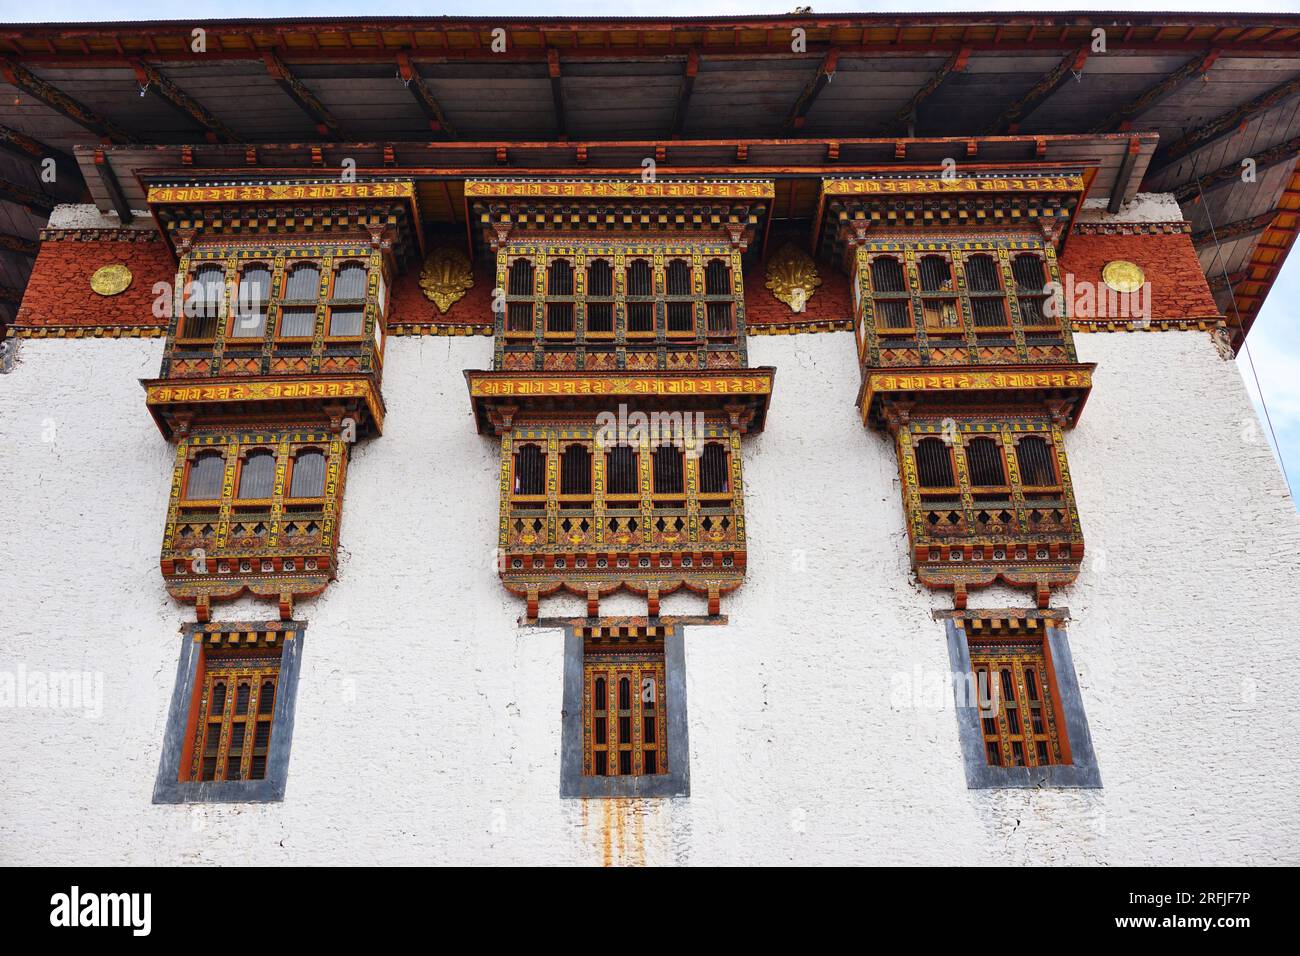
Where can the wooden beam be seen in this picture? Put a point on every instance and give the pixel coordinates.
(794, 120)
(1038, 94)
(31, 84)
(1222, 125)
(424, 97)
(684, 92)
(29, 198)
(1125, 175)
(1122, 119)
(20, 144)
(1235, 230)
(557, 91)
(326, 124)
(113, 187)
(907, 113)
(1221, 281)
(23, 246)
(11, 294)
(1281, 153)
(150, 77)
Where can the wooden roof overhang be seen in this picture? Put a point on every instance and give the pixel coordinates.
(1216, 88)
(1040, 197)
(499, 397)
(252, 208)
(889, 395)
(178, 405)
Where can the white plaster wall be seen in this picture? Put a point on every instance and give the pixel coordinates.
(428, 721)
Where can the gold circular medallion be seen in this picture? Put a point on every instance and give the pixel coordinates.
(110, 280)
(1123, 276)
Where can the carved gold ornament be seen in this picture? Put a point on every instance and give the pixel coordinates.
(111, 280)
(792, 277)
(446, 276)
(1123, 276)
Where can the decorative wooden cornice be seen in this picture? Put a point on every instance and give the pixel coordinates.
(438, 329)
(87, 332)
(81, 234)
(1132, 228)
(800, 328)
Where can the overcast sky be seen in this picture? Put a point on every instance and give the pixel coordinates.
(1274, 344)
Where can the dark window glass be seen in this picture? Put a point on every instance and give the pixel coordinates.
(640, 317)
(575, 471)
(257, 477)
(559, 277)
(668, 470)
(681, 317)
(982, 274)
(640, 278)
(934, 463)
(530, 471)
(350, 282)
(1035, 460)
(521, 278)
(308, 475)
(600, 316)
(297, 323)
(935, 273)
(519, 316)
(600, 278)
(719, 317)
(989, 313)
(207, 290)
(559, 317)
(346, 323)
(894, 314)
(303, 284)
(1028, 271)
(250, 304)
(620, 471)
(204, 483)
(678, 277)
(717, 278)
(985, 460)
(713, 469)
(887, 275)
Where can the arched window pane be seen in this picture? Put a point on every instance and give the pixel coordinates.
(204, 482)
(521, 278)
(303, 284)
(530, 471)
(250, 305)
(600, 278)
(713, 469)
(887, 275)
(982, 274)
(679, 277)
(203, 306)
(308, 475)
(640, 278)
(559, 278)
(935, 273)
(1035, 461)
(575, 471)
(717, 278)
(934, 463)
(668, 470)
(257, 477)
(350, 281)
(985, 460)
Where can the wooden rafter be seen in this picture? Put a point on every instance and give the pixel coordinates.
(684, 91)
(150, 77)
(424, 97)
(326, 124)
(557, 91)
(19, 244)
(31, 84)
(1266, 259)
(20, 144)
(1012, 117)
(1122, 119)
(1281, 153)
(1125, 175)
(907, 113)
(11, 294)
(794, 120)
(29, 198)
(1223, 125)
(114, 189)
(1235, 230)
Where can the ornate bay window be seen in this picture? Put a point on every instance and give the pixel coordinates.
(967, 361)
(620, 390)
(272, 367)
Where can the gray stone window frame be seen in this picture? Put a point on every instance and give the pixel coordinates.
(168, 788)
(1082, 773)
(677, 781)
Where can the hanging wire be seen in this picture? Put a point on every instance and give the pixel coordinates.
(1245, 347)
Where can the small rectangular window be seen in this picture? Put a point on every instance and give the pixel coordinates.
(623, 689)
